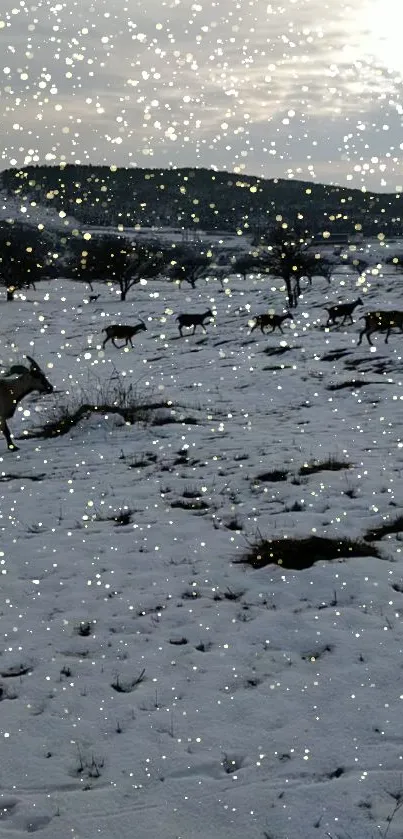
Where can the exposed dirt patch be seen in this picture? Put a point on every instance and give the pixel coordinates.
(377, 533)
(298, 554)
(273, 475)
(330, 465)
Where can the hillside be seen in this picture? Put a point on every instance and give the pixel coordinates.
(199, 198)
(33, 213)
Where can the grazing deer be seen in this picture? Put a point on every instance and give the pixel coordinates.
(193, 320)
(28, 380)
(125, 333)
(272, 320)
(379, 322)
(344, 310)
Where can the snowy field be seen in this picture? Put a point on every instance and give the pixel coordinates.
(150, 686)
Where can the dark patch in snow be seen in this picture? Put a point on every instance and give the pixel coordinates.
(298, 554)
(377, 533)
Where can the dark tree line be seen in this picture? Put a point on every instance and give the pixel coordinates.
(28, 255)
(200, 198)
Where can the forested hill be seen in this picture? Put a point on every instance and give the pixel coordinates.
(200, 198)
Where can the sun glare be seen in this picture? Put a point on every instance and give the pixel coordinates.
(383, 24)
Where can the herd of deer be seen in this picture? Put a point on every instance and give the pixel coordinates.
(20, 381)
(126, 333)
(376, 321)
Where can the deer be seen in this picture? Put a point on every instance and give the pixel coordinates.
(24, 380)
(269, 319)
(124, 332)
(193, 320)
(379, 322)
(93, 298)
(344, 310)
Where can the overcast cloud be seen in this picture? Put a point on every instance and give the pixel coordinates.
(300, 88)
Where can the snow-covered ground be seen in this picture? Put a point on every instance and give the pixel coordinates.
(171, 234)
(150, 686)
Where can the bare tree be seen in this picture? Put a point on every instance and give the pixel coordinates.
(247, 264)
(360, 265)
(25, 257)
(290, 257)
(117, 259)
(188, 266)
(141, 263)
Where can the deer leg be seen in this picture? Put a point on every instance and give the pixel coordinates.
(203, 328)
(261, 328)
(180, 331)
(387, 334)
(106, 339)
(6, 431)
(280, 328)
(368, 334)
(194, 329)
(131, 343)
(114, 343)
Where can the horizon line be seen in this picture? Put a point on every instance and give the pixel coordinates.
(114, 168)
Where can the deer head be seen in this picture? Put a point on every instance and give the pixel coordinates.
(42, 384)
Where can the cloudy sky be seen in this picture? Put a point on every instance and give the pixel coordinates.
(307, 89)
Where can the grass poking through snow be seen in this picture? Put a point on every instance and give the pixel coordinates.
(330, 465)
